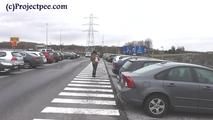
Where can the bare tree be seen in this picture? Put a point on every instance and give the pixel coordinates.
(148, 43)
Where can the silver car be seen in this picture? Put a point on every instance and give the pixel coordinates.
(40, 54)
(169, 85)
(12, 57)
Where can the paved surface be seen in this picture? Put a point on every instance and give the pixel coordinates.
(84, 98)
(136, 112)
(25, 93)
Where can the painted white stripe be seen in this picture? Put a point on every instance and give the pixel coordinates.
(86, 73)
(109, 112)
(88, 89)
(86, 94)
(43, 119)
(83, 79)
(81, 101)
(3, 77)
(91, 82)
(90, 77)
(86, 85)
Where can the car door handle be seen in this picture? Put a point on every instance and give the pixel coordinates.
(171, 85)
(207, 88)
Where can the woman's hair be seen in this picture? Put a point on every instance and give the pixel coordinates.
(94, 52)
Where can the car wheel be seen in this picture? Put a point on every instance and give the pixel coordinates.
(33, 66)
(156, 106)
(27, 65)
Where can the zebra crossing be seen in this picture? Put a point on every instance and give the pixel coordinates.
(84, 98)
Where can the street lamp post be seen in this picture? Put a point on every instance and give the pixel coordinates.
(46, 35)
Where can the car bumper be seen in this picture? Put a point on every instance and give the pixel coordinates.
(130, 96)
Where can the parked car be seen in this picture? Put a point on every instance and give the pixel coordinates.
(31, 60)
(7, 67)
(87, 54)
(55, 55)
(110, 57)
(40, 54)
(169, 85)
(49, 57)
(61, 55)
(75, 55)
(67, 55)
(70, 55)
(12, 57)
(117, 65)
(137, 63)
(118, 57)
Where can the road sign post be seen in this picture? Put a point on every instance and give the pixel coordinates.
(14, 41)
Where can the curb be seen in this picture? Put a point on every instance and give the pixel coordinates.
(118, 101)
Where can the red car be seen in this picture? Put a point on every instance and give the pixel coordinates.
(50, 58)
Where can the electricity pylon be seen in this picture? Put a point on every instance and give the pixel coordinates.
(90, 39)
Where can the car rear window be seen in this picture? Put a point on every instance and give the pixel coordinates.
(2, 54)
(32, 54)
(16, 54)
(35, 54)
(147, 69)
(150, 63)
(127, 64)
(41, 54)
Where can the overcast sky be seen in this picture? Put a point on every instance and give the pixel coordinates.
(187, 23)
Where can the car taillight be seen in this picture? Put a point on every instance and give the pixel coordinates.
(13, 59)
(128, 81)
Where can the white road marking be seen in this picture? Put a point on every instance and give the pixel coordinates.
(85, 101)
(88, 89)
(1, 77)
(84, 79)
(86, 94)
(112, 112)
(99, 77)
(43, 119)
(86, 85)
(85, 74)
(91, 82)
(91, 77)
(23, 71)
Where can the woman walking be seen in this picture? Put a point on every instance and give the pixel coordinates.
(94, 59)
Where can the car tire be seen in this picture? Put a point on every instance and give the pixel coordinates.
(156, 106)
(27, 65)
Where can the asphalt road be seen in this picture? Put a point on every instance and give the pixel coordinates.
(136, 112)
(25, 93)
(59, 91)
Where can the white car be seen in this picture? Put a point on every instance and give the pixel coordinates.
(13, 57)
(87, 54)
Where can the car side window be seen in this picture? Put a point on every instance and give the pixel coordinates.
(180, 74)
(162, 75)
(176, 74)
(204, 76)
